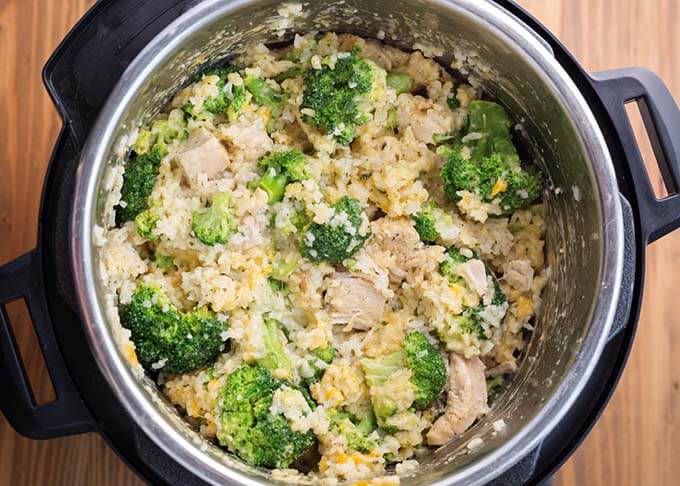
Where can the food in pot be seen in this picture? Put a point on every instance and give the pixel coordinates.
(328, 255)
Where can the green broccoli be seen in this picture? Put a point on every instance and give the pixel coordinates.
(214, 224)
(142, 169)
(490, 120)
(355, 434)
(289, 73)
(492, 170)
(138, 182)
(146, 222)
(338, 239)
(336, 99)
(493, 385)
(470, 320)
(446, 138)
(452, 102)
(163, 261)
(265, 95)
(428, 375)
(247, 425)
(399, 82)
(392, 120)
(429, 221)
(490, 178)
(424, 222)
(230, 99)
(276, 285)
(283, 266)
(280, 169)
(168, 339)
(275, 357)
(325, 354)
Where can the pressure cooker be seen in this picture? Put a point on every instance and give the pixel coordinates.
(126, 58)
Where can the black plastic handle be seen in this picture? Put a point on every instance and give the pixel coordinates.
(67, 414)
(661, 117)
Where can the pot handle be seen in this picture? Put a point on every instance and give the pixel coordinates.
(67, 414)
(661, 117)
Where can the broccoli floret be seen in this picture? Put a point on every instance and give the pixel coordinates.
(278, 170)
(470, 320)
(490, 178)
(214, 224)
(493, 385)
(247, 426)
(276, 285)
(491, 122)
(138, 182)
(163, 261)
(168, 339)
(446, 138)
(275, 357)
(325, 354)
(340, 97)
(399, 82)
(283, 266)
(265, 95)
(338, 239)
(392, 120)
(142, 169)
(424, 222)
(431, 221)
(452, 102)
(492, 170)
(146, 222)
(291, 72)
(356, 434)
(231, 98)
(428, 374)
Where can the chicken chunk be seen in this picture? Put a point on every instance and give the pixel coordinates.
(354, 301)
(411, 259)
(425, 118)
(250, 138)
(466, 399)
(395, 235)
(202, 154)
(519, 274)
(474, 274)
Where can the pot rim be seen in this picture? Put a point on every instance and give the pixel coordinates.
(138, 401)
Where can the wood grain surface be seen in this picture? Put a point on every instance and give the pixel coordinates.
(637, 440)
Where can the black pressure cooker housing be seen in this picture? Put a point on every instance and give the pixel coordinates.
(80, 75)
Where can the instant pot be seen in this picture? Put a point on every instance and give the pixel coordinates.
(122, 62)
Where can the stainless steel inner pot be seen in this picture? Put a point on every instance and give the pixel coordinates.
(584, 221)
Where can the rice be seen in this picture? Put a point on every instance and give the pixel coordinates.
(393, 174)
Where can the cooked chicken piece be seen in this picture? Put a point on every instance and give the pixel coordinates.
(466, 400)
(474, 273)
(424, 118)
(202, 154)
(519, 274)
(250, 137)
(424, 262)
(354, 301)
(502, 369)
(411, 260)
(395, 235)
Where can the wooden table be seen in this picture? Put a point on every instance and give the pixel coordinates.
(637, 440)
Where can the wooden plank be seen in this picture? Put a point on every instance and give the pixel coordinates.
(638, 437)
